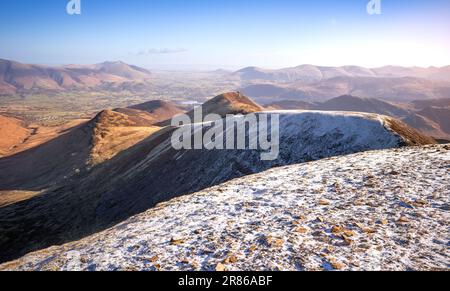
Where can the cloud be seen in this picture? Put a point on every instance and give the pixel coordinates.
(163, 51)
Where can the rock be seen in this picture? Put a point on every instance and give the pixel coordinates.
(324, 202)
(154, 259)
(176, 241)
(278, 242)
(231, 259)
(384, 221)
(301, 230)
(335, 264)
(348, 241)
(420, 202)
(336, 229)
(369, 230)
(403, 220)
(349, 233)
(252, 248)
(220, 267)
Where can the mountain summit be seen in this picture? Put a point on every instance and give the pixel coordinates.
(16, 77)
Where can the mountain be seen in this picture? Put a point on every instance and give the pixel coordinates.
(12, 132)
(81, 147)
(158, 110)
(432, 121)
(16, 77)
(334, 214)
(123, 70)
(230, 103)
(310, 73)
(152, 171)
(114, 132)
(405, 89)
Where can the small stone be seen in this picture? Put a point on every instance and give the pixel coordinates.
(220, 267)
(278, 242)
(176, 241)
(185, 261)
(157, 266)
(421, 201)
(324, 202)
(336, 229)
(403, 220)
(349, 233)
(369, 230)
(348, 241)
(154, 259)
(336, 265)
(231, 259)
(301, 230)
(364, 246)
(384, 221)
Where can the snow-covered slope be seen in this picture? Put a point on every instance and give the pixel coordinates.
(381, 210)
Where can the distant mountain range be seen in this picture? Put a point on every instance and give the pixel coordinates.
(430, 117)
(305, 83)
(310, 73)
(315, 83)
(16, 77)
(402, 89)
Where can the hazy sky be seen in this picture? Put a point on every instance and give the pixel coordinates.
(208, 34)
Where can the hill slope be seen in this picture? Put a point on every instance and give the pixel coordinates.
(382, 210)
(12, 132)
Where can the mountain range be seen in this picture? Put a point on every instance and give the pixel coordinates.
(305, 83)
(16, 77)
(401, 89)
(310, 73)
(431, 117)
(103, 171)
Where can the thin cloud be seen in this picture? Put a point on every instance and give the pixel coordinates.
(163, 51)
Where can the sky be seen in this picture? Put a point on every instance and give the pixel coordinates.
(228, 34)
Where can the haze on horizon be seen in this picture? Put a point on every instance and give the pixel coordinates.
(201, 34)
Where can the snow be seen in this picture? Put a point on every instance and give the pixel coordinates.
(379, 210)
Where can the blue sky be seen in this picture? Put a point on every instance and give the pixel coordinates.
(209, 34)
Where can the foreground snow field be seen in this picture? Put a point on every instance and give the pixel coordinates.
(380, 210)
